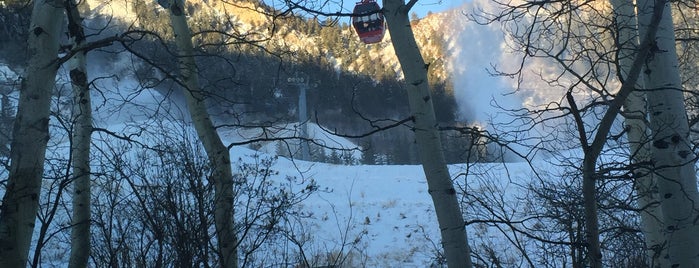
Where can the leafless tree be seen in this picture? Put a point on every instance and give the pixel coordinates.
(165, 190)
(562, 33)
(21, 198)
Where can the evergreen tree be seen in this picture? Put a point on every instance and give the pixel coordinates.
(368, 153)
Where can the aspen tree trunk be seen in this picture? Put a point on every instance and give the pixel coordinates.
(589, 191)
(441, 188)
(592, 150)
(672, 153)
(637, 133)
(21, 201)
(217, 153)
(82, 116)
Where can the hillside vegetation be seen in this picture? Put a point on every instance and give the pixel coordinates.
(248, 51)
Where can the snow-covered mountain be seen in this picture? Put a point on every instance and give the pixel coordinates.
(361, 215)
(358, 216)
(353, 216)
(304, 35)
(369, 216)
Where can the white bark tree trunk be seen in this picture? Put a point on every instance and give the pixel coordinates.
(635, 114)
(440, 186)
(592, 150)
(82, 118)
(216, 151)
(644, 181)
(21, 201)
(672, 153)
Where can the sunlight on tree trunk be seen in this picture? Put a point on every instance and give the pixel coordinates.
(21, 201)
(637, 132)
(82, 116)
(217, 153)
(592, 150)
(441, 188)
(673, 158)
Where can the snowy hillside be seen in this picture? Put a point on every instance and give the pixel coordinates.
(375, 216)
(366, 215)
(360, 216)
(152, 191)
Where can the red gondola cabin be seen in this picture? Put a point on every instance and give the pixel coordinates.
(368, 21)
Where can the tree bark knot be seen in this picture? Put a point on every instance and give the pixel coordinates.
(38, 30)
(684, 154)
(661, 144)
(78, 77)
(676, 139)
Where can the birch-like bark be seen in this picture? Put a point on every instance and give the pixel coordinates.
(592, 150)
(217, 153)
(635, 119)
(440, 186)
(28, 151)
(672, 153)
(82, 118)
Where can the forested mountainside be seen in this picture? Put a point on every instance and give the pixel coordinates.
(249, 50)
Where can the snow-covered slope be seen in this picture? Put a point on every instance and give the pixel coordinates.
(372, 216)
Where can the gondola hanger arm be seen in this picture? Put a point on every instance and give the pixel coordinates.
(410, 4)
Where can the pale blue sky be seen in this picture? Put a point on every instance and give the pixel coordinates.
(424, 6)
(421, 8)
